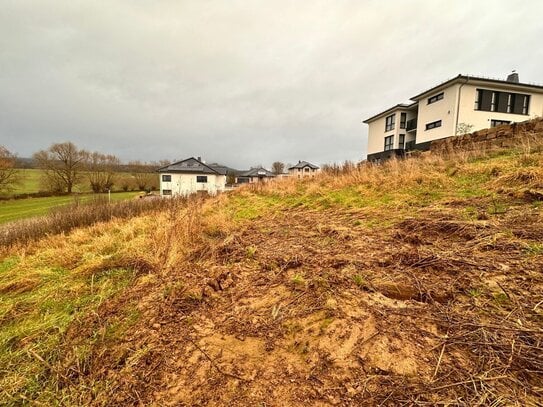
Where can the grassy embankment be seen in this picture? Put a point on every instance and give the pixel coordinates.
(30, 182)
(15, 209)
(416, 281)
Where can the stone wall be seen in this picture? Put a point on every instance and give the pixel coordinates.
(493, 138)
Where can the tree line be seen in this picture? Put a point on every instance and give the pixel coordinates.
(65, 166)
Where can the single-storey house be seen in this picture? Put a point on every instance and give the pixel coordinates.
(190, 176)
(303, 169)
(254, 175)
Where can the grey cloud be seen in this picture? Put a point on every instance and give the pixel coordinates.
(240, 82)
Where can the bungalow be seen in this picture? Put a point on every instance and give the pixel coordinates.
(191, 176)
(303, 169)
(459, 105)
(258, 174)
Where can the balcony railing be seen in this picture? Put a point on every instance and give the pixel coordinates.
(410, 145)
(411, 124)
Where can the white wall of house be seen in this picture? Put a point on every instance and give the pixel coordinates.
(303, 172)
(444, 110)
(482, 119)
(186, 184)
(377, 132)
(260, 179)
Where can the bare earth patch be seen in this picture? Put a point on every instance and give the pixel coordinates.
(315, 311)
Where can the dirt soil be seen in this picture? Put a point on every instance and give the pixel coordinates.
(312, 308)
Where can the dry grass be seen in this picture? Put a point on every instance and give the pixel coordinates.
(70, 217)
(415, 282)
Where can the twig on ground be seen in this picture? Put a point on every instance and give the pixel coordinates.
(214, 364)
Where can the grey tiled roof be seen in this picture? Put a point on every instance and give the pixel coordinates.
(302, 164)
(256, 172)
(194, 166)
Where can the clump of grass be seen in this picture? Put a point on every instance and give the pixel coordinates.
(535, 249)
(326, 322)
(497, 207)
(67, 218)
(474, 292)
(298, 280)
(359, 280)
(501, 298)
(34, 320)
(251, 252)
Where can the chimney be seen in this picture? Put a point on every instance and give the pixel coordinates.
(513, 77)
(199, 158)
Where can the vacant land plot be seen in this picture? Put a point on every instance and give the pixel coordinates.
(413, 283)
(25, 208)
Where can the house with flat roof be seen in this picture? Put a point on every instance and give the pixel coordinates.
(303, 169)
(462, 104)
(191, 176)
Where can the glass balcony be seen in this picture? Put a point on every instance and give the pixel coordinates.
(411, 124)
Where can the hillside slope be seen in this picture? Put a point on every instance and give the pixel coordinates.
(417, 282)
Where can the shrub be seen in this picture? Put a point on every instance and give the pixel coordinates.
(69, 217)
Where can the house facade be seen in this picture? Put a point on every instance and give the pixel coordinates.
(459, 105)
(254, 175)
(191, 176)
(303, 169)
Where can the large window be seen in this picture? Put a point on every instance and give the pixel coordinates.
(495, 123)
(166, 192)
(502, 102)
(389, 122)
(389, 143)
(403, 119)
(435, 98)
(166, 178)
(433, 125)
(201, 178)
(401, 141)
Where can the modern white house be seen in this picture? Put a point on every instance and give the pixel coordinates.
(303, 169)
(459, 105)
(190, 176)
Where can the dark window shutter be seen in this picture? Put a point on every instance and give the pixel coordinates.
(519, 102)
(502, 102)
(486, 100)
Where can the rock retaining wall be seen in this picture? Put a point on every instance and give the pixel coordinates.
(493, 138)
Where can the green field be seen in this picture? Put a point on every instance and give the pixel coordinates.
(25, 208)
(30, 182)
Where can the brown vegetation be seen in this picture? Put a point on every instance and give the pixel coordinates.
(62, 164)
(67, 218)
(416, 282)
(8, 173)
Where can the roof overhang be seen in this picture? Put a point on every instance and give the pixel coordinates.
(475, 80)
(398, 107)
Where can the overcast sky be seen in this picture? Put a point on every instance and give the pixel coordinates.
(241, 82)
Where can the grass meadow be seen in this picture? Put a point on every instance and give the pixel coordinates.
(16, 209)
(119, 310)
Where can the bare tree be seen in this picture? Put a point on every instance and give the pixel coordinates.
(463, 128)
(62, 164)
(101, 171)
(278, 167)
(126, 182)
(9, 175)
(143, 174)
